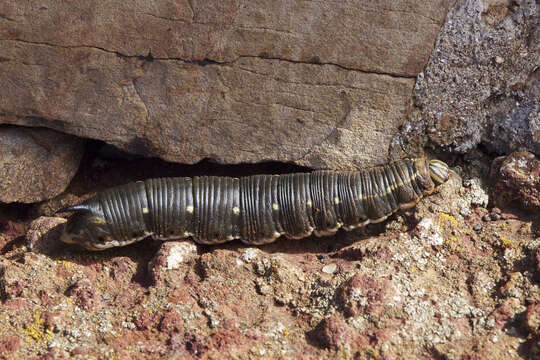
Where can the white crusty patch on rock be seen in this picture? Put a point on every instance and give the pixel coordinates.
(180, 253)
(430, 232)
(249, 254)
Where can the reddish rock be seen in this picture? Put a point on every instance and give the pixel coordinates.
(516, 181)
(172, 255)
(15, 304)
(121, 268)
(503, 313)
(222, 339)
(145, 320)
(44, 298)
(193, 343)
(532, 317)
(171, 323)
(85, 296)
(9, 344)
(50, 320)
(365, 293)
(332, 333)
(55, 353)
(80, 350)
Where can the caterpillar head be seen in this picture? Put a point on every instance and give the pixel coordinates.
(88, 228)
(438, 171)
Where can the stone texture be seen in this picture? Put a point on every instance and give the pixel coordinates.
(516, 181)
(36, 164)
(481, 84)
(235, 81)
(43, 235)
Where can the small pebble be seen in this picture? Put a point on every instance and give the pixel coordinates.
(329, 269)
(486, 217)
(477, 227)
(495, 216)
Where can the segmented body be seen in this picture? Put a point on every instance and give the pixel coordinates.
(259, 209)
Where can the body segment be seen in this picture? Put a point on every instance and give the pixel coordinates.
(255, 209)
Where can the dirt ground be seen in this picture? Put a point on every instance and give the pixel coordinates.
(452, 278)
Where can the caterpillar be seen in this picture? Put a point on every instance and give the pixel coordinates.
(256, 209)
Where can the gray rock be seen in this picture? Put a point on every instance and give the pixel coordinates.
(36, 164)
(481, 84)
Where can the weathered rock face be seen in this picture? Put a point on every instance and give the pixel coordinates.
(321, 84)
(516, 181)
(481, 84)
(36, 164)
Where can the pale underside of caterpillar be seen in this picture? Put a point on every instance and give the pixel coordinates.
(255, 209)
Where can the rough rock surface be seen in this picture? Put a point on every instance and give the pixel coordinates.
(517, 181)
(481, 84)
(436, 282)
(235, 81)
(36, 164)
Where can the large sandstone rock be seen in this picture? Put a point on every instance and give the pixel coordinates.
(36, 164)
(482, 83)
(321, 84)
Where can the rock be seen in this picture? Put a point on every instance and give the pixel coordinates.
(363, 293)
(43, 236)
(532, 317)
(36, 164)
(172, 255)
(330, 269)
(9, 344)
(85, 296)
(235, 81)
(332, 333)
(516, 181)
(481, 84)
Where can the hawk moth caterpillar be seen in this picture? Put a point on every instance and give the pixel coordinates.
(256, 209)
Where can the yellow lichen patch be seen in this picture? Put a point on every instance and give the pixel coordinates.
(448, 219)
(505, 242)
(65, 263)
(453, 242)
(36, 329)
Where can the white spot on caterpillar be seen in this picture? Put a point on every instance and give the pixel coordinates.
(145, 210)
(275, 206)
(236, 210)
(276, 234)
(336, 200)
(189, 209)
(309, 203)
(230, 237)
(187, 234)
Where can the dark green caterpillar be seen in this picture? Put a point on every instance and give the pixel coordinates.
(256, 209)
